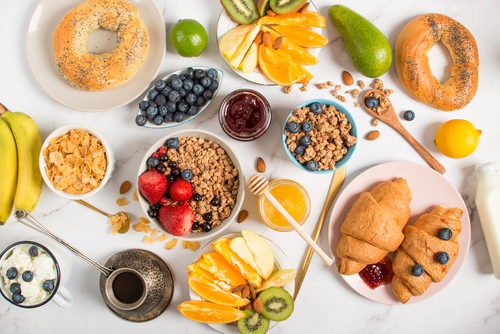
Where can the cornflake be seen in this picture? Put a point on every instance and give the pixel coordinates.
(117, 222)
(135, 197)
(144, 220)
(148, 240)
(171, 244)
(162, 237)
(121, 201)
(139, 227)
(191, 245)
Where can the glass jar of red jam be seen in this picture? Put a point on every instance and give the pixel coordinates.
(245, 115)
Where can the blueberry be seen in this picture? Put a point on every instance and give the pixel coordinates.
(141, 120)
(305, 141)
(207, 216)
(158, 120)
(160, 85)
(207, 94)
(206, 227)
(28, 276)
(193, 110)
(197, 197)
(409, 115)
(153, 162)
(169, 118)
(167, 90)
(213, 87)
(48, 285)
(316, 108)
(174, 96)
(372, 102)
(152, 214)
(15, 288)
(445, 233)
(176, 83)
(442, 258)
(174, 76)
(212, 74)
(11, 273)
(143, 105)
(171, 107)
(417, 270)
(161, 100)
(293, 127)
(206, 82)
(307, 127)
(189, 73)
(187, 174)
(162, 110)
(151, 112)
(199, 73)
(183, 77)
(195, 226)
(191, 98)
(173, 143)
(215, 201)
(33, 251)
(183, 106)
(312, 165)
(182, 92)
(172, 164)
(198, 89)
(152, 104)
(300, 150)
(200, 102)
(188, 84)
(179, 117)
(17, 298)
(153, 93)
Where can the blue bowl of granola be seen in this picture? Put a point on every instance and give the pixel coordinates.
(319, 136)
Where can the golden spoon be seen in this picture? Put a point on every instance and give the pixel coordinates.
(126, 224)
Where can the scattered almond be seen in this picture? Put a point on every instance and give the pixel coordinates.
(257, 305)
(125, 187)
(245, 292)
(242, 216)
(258, 38)
(372, 135)
(238, 288)
(248, 306)
(266, 39)
(261, 165)
(253, 295)
(277, 43)
(347, 78)
(304, 8)
(270, 12)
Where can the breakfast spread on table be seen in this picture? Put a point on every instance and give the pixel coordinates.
(190, 185)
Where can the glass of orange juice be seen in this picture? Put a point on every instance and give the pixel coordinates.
(293, 197)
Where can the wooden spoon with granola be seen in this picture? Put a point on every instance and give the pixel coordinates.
(385, 113)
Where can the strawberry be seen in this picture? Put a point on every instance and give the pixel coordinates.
(180, 190)
(177, 219)
(152, 185)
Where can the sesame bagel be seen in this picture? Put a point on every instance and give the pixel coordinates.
(98, 72)
(412, 62)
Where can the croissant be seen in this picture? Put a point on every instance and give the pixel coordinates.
(373, 227)
(420, 260)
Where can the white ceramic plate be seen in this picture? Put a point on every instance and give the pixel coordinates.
(224, 24)
(149, 124)
(428, 189)
(41, 29)
(280, 262)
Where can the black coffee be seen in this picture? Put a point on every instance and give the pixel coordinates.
(128, 287)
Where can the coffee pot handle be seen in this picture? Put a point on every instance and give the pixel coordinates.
(63, 298)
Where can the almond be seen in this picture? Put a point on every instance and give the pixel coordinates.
(277, 43)
(261, 165)
(257, 305)
(253, 295)
(238, 288)
(258, 38)
(347, 78)
(304, 8)
(266, 39)
(245, 292)
(248, 306)
(270, 12)
(373, 135)
(125, 187)
(242, 216)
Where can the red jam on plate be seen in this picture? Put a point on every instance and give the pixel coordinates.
(375, 275)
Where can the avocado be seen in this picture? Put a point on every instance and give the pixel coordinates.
(367, 47)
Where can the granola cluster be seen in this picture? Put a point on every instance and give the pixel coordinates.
(330, 136)
(382, 98)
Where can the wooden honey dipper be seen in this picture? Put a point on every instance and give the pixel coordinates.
(258, 185)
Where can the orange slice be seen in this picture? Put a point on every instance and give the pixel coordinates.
(302, 36)
(217, 265)
(298, 54)
(206, 312)
(305, 19)
(211, 292)
(222, 247)
(210, 277)
(308, 77)
(279, 67)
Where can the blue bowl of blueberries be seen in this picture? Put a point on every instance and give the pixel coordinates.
(313, 133)
(179, 97)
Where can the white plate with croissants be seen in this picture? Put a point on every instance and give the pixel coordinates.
(405, 212)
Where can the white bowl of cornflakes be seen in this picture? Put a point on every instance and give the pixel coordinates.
(75, 161)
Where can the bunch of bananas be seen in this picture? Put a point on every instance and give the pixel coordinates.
(20, 178)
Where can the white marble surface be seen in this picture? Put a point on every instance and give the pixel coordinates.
(469, 304)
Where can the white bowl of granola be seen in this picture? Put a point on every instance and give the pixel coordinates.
(216, 177)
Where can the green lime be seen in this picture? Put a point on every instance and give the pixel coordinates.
(189, 38)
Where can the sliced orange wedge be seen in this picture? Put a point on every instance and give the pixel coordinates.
(302, 36)
(305, 19)
(308, 75)
(222, 247)
(206, 312)
(279, 67)
(217, 265)
(298, 54)
(211, 292)
(210, 277)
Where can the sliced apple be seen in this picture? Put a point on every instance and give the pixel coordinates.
(239, 246)
(249, 63)
(262, 253)
(278, 279)
(233, 38)
(242, 49)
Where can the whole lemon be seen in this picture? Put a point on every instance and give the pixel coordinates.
(457, 138)
(189, 38)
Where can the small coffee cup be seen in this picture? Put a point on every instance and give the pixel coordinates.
(126, 289)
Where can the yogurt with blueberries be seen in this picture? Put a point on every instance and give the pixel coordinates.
(29, 275)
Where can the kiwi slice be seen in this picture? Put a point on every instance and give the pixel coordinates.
(241, 11)
(263, 6)
(286, 6)
(253, 323)
(277, 304)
